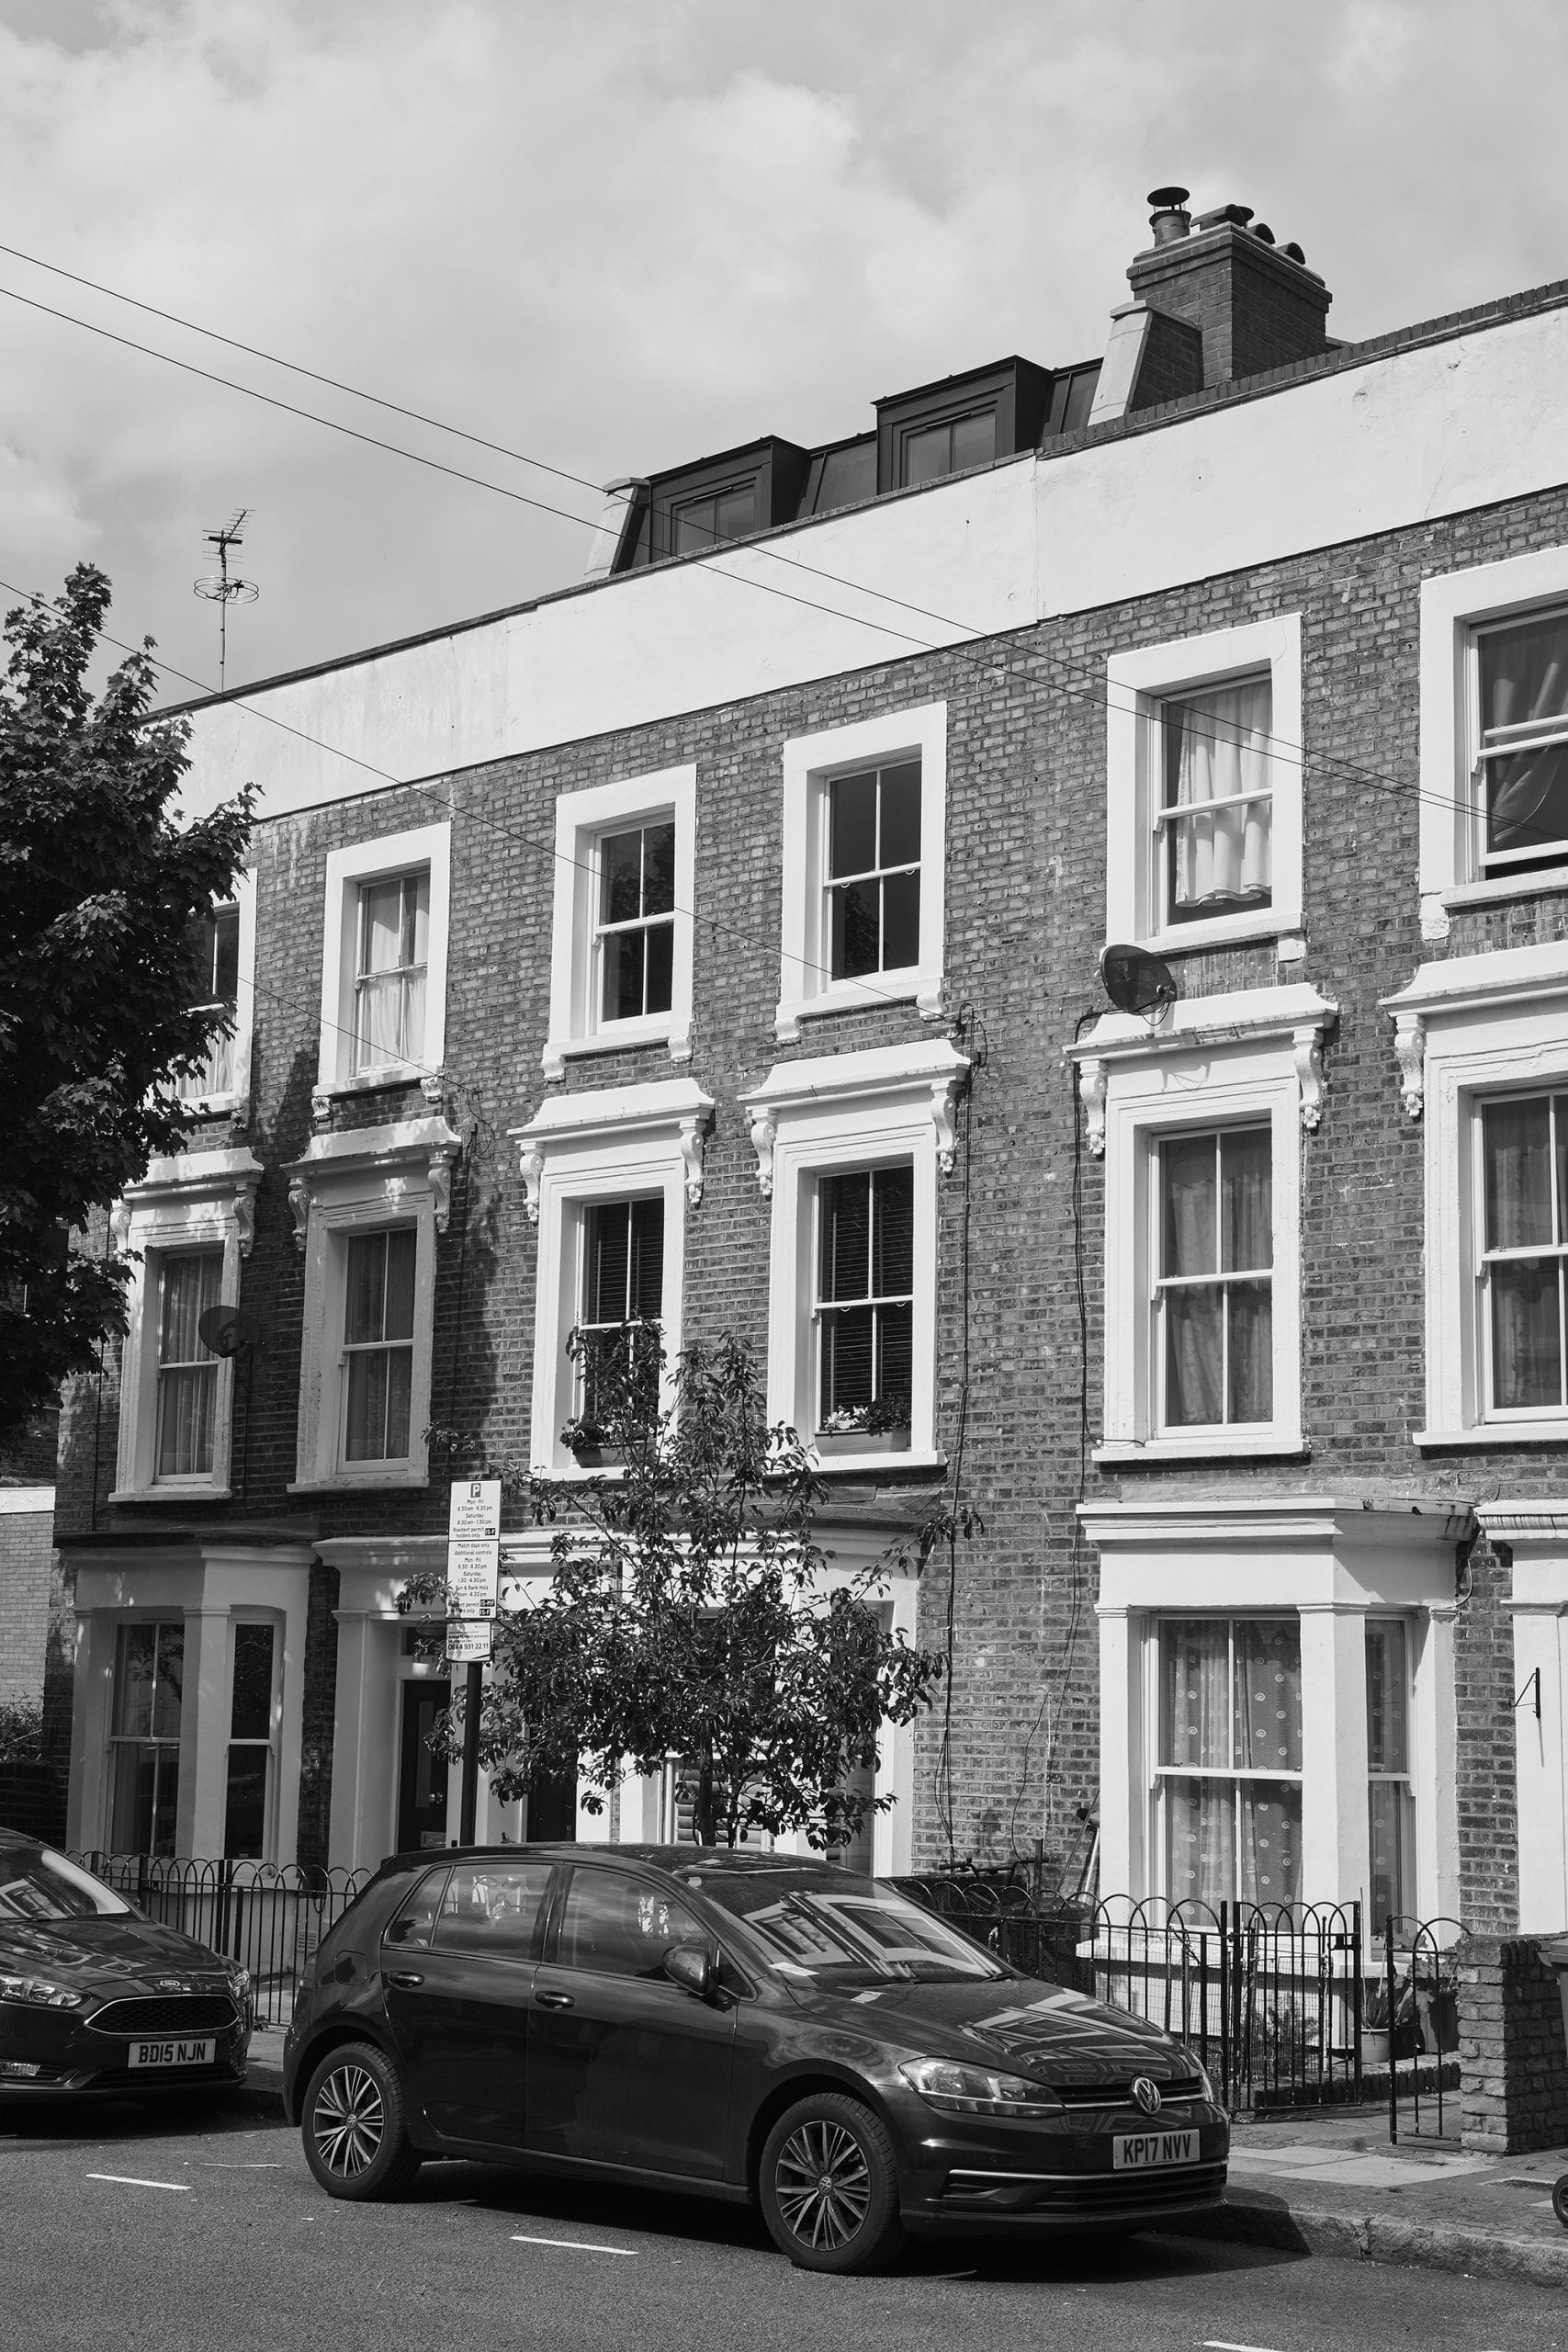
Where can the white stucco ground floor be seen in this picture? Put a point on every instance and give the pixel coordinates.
(202, 1682)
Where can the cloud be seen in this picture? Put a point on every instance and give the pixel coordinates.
(620, 235)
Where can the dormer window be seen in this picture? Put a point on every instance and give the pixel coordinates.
(701, 523)
(932, 450)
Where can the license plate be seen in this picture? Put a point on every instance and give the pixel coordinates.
(1137, 2151)
(173, 2053)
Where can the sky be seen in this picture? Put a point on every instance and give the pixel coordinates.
(615, 235)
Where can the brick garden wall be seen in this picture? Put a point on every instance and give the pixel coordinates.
(27, 1553)
(1513, 2055)
(1025, 922)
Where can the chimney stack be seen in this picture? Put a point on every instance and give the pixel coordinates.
(1255, 303)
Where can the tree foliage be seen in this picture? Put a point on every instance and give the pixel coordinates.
(692, 1613)
(98, 973)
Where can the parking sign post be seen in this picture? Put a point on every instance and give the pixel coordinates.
(473, 1570)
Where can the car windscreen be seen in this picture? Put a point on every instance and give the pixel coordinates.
(37, 1886)
(816, 1930)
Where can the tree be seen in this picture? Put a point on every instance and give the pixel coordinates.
(99, 890)
(689, 1615)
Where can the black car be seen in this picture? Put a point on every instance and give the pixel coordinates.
(97, 2001)
(748, 2025)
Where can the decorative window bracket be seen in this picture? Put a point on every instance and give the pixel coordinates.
(397, 1150)
(1410, 1051)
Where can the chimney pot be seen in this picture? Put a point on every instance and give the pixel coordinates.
(1261, 228)
(1296, 253)
(1240, 213)
(1169, 220)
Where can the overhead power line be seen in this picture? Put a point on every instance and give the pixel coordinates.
(1280, 748)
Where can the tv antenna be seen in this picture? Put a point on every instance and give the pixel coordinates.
(224, 587)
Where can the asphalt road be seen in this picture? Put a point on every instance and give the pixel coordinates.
(210, 2232)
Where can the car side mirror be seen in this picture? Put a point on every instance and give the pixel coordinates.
(695, 1968)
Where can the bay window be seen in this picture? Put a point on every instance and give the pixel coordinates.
(144, 1782)
(1229, 1774)
(1389, 1801)
(250, 1763)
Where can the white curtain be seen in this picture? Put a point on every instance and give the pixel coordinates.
(1217, 746)
(394, 951)
(187, 1374)
(1527, 1369)
(1524, 682)
(1195, 1729)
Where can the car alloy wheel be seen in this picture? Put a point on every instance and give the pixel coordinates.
(354, 2124)
(829, 2185)
(823, 2185)
(349, 2121)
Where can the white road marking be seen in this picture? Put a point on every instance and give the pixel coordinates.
(216, 2164)
(130, 2180)
(1218, 2343)
(578, 2245)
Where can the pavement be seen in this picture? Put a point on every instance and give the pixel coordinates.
(1328, 2183)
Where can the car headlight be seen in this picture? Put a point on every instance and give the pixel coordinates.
(975, 2090)
(37, 1993)
(240, 1984)
(1207, 2089)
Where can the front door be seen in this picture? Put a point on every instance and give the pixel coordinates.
(625, 2067)
(422, 1777)
(457, 1963)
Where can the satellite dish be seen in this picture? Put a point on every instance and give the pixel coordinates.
(1136, 981)
(228, 1330)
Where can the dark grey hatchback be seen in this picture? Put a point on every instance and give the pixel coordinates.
(747, 2026)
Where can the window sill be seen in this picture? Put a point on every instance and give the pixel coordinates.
(211, 1106)
(653, 1029)
(1545, 1432)
(855, 1466)
(1211, 1446)
(923, 989)
(374, 1482)
(1222, 931)
(1514, 886)
(172, 1495)
(375, 1081)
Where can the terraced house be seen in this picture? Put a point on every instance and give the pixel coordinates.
(717, 941)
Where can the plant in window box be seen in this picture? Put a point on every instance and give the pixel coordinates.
(879, 1426)
(617, 1377)
(692, 1613)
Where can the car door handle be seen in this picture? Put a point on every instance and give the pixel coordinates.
(555, 2001)
(406, 1977)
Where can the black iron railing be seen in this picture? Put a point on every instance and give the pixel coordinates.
(267, 1916)
(1270, 1998)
